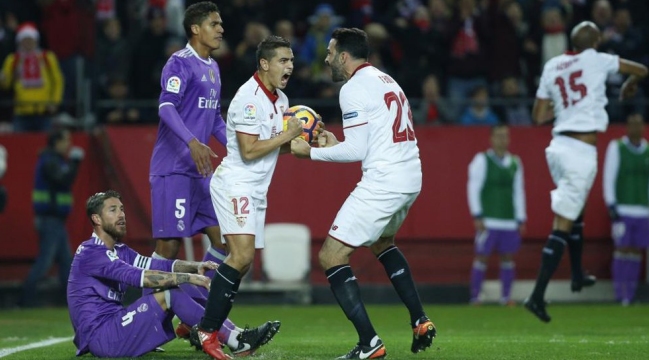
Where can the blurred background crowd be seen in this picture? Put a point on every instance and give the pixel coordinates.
(465, 62)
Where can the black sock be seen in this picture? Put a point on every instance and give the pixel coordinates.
(576, 247)
(220, 297)
(345, 288)
(550, 259)
(397, 268)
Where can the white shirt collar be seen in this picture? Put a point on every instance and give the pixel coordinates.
(209, 59)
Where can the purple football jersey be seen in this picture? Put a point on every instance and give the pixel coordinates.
(191, 85)
(97, 283)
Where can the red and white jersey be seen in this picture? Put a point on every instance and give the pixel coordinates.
(576, 84)
(372, 98)
(253, 111)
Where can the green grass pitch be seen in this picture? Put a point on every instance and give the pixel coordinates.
(322, 332)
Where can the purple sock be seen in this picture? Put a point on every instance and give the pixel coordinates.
(226, 329)
(187, 310)
(507, 273)
(617, 274)
(633, 275)
(477, 276)
(216, 255)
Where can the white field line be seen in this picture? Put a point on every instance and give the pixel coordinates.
(48, 342)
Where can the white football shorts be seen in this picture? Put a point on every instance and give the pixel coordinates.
(573, 166)
(239, 213)
(369, 214)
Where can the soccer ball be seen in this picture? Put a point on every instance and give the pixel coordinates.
(309, 120)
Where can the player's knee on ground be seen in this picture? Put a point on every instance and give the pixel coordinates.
(167, 248)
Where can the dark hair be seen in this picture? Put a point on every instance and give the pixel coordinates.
(95, 203)
(55, 136)
(352, 41)
(267, 48)
(196, 14)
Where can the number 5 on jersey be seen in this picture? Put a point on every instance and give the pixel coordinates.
(577, 90)
(180, 208)
(402, 129)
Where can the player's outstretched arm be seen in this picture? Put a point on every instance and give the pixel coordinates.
(182, 266)
(162, 279)
(636, 72)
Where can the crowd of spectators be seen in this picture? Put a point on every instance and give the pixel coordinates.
(459, 61)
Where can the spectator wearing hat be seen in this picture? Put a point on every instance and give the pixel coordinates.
(35, 77)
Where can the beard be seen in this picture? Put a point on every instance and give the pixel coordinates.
(337, 73)
(114, 232)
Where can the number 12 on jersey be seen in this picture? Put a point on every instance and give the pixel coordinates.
(400, 131)
(577, 90)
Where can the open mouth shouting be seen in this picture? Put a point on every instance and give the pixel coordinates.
(284, 79)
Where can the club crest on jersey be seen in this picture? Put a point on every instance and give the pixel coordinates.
(143, 308)
(249, 112)
(112, 255)
(212, 76)
(241, 220)
(173, 84)
(180, 226)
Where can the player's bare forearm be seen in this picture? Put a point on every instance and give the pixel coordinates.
(162, 279)
(182, 266)
(636, 70)
(252, 148)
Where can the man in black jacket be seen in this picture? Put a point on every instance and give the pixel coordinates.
(56, 170)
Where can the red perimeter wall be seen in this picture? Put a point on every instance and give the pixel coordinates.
(437, 235)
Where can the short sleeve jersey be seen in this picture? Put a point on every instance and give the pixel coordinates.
(576, 84)
(193, 86)
(253, 111)
(372, 98)
(98, 281)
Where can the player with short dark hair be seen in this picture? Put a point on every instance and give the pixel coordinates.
(103, 268)
(377, 123)
(573, 85)
(190, 112)
(240, 184)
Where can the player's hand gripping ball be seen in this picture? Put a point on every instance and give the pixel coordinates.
(311, 121)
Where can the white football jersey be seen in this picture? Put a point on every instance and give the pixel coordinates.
(576, 84)
(372, 98)
(253, 111)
